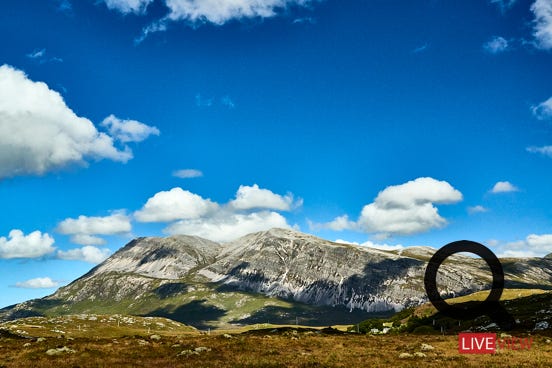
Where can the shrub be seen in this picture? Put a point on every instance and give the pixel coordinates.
(424, 330)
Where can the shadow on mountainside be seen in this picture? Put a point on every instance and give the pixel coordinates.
(196, 313)
(307, 315)
(157, 254)
(523, 268)
(371, 282)
(238, 280)
(170, 289)
(32, 308)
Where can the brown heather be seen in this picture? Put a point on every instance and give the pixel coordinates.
(262, 349)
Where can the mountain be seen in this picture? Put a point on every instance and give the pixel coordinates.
(277, 275)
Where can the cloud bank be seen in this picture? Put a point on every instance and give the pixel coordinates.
(542, 9)
(403, 209)
(38, 283)
(40, 133)
(175, 204)
(249, 197)
(19, 245)
(253, 209)
(532, 246)
(504, 187)
(128, 130)
(88, 253)
(197, 12)
(83, 229)
(226, 226)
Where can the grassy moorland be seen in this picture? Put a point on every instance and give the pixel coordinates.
(291, 348)
(130, 341)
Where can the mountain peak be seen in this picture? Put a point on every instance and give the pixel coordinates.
(278, 232)
(168, 258)
(186, 277)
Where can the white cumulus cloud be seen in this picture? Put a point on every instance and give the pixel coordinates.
(532, 246)
(37, 283)
(227, 226)
(188, 173)
(249, 197)
(253, 209)
(504, 187)
(338, 224)
(40, 133)
(542, 9)
(175, 204)
(128, 130)
(222, 11)
(87, 253)
(403, 209)
(84, 228)
(196, 12)
(19, 245)
(86, 239)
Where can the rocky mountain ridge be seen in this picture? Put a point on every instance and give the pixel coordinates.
(266, 273)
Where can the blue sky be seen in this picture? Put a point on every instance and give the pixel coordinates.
(385, 123)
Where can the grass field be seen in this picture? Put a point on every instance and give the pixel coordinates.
(291, 348)
(85, 340)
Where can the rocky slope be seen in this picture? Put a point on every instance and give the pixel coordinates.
(270, 275)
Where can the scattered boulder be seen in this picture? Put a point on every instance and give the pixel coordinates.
(542, 325)
(187, 352)
(227, 336)
(426, 347)
(59, 351)
(41, 339)
(196, 351)
(201, 349)
(26, 345)
(155, 337)
(419, 354)
(405, 355)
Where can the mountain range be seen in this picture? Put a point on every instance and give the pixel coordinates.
(274, 276)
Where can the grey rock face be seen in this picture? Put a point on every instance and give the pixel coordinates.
(165, 258)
